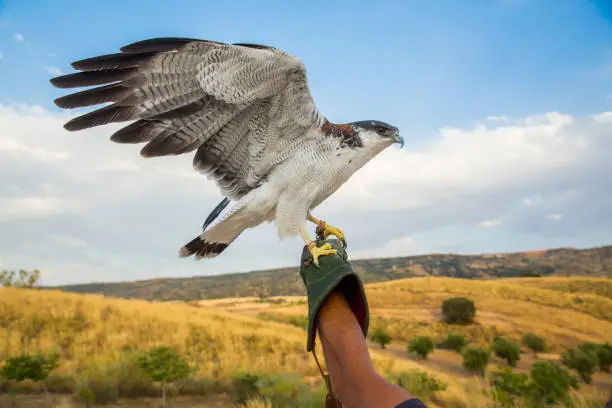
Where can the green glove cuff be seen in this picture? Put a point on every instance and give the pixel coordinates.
(334, 273)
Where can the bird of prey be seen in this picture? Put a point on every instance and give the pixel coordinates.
(247, 112)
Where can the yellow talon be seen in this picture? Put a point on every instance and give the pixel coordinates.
(324, 230)
(316, 251)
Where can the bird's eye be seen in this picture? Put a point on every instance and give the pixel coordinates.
(381, 129)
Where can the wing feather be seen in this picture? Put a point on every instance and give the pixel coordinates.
(242, 107)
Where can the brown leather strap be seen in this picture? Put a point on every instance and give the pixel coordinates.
(331, 401)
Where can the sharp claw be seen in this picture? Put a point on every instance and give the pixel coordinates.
(324, 230)
(317, 252)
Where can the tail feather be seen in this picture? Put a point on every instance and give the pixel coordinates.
(210, 243)
(202, 248)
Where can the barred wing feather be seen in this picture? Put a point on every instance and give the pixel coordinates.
(241, 107)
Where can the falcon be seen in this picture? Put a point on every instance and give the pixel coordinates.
(247, 112)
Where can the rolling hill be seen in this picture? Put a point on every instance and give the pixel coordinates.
(592, 262)
(98, 337)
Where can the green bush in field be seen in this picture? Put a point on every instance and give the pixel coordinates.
(604, 355)
(35, 368)
(511, 352)
(244, 386)
(165, 365)
(418, 383)
(534, 343)
(476, 359)
(278, 391)
(458, 310)
(380, 337)
(550, 382)
(103, 381)
(454, 341)
(509, 386)
(282, 390)
(584, 362)
(600, 352)
(422, 346)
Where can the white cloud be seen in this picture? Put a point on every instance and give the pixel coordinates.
(91, 205)
(395, 247)
(54, 71)
(31, 207)
(555, 217)
(19, 37)
(504, 119)
(67, 240)
(490, 223)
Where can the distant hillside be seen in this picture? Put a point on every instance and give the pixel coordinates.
(594, 262)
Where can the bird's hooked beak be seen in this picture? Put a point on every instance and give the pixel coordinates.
(398, 139)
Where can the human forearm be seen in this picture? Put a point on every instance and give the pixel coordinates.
(352, 372)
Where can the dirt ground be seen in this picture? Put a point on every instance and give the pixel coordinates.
(67, 401)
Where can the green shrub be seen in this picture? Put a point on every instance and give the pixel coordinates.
(458, 310)
(454, 341)
(509, 386)
(534, 343)
(600, 352)
(97, 382)
(476, 359)
(380, 337)
(255, 390)
(281, 391)
(550, 382)
(511, 352)
(30, 367)
(585, 363)
(103, 381)
(422, 346)
(604, 355)
(418, 383)
(244, 386)
(165, 365)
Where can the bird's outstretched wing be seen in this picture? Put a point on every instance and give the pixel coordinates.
(242, 107)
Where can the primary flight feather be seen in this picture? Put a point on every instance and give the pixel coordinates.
(247, 112)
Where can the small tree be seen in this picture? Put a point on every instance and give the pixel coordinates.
(476, 359)
(511, 352)
(164, 364)
(26, 279)
(585, 363)
(422, 346)
(600, 352)
(381, 337)
(551, 383)
(454, 341)
(604, 355)
(30, 367)
(458, 310)
(418, 383)
(534, 343)
(510, 385)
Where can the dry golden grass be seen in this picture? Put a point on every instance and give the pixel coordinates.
(578, 284)
(86, 327)
(223, 336)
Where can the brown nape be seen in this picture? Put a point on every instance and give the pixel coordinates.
(343, 129)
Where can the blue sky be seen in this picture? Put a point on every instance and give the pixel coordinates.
(421, 65)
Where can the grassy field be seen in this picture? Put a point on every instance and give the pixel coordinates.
(98, 336)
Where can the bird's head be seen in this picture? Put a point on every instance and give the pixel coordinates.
(376, 133)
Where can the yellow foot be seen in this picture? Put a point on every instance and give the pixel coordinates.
(324, 230)
(316, 251)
